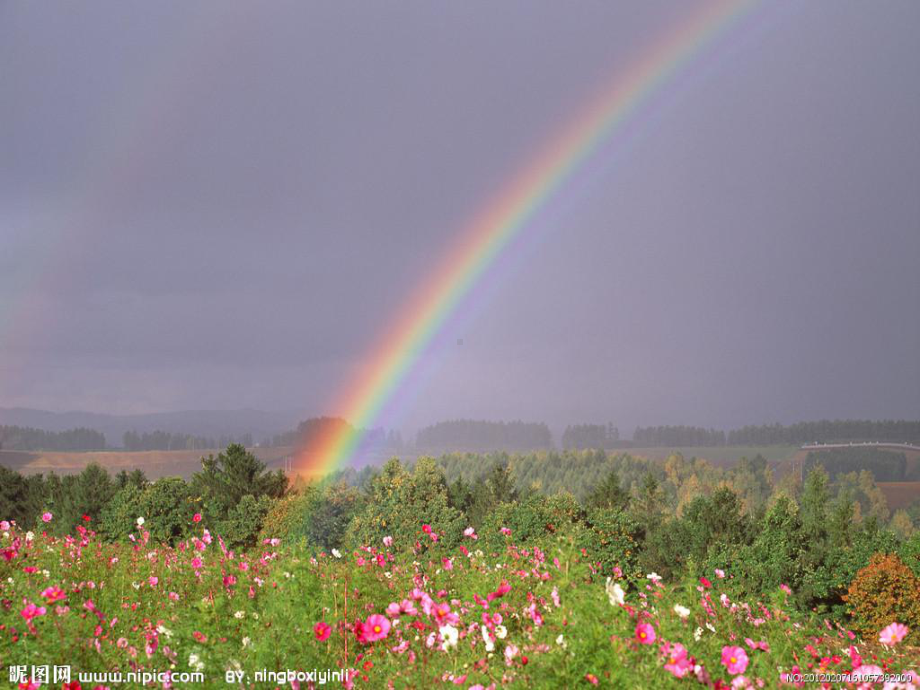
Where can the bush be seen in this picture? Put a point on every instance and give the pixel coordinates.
(884, 592)
(611, 539)
(166, 505)
(243, 523)
(399, 503)
(531, 521)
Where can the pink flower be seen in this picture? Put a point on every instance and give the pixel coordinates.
(893, 634)
(735, 659)
(447, 563)
(645, 633)
(426, 529)
(4, 526)
(505, 531)
(153, 580)
(53, 594)
(706, 583)
(322, 631)
(196, 517)
(388, 541)
(720, 574)
(376, 627)
(786, 588)
(196, 563)
(677, 662)
(32, 611)
(46, 517)
(471, 533)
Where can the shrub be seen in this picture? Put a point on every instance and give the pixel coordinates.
(166, 506)
(399, 503)
(611, 539)
(884, 592)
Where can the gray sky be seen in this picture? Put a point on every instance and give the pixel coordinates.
(212, 205)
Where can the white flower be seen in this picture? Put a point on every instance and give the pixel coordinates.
(710, 627)
(195, 662)
(246, 641)
(501, 632)
(163, 630)
(450, 635)
(336, 553)
(654, 577)
(681, 611)
(46, 573)
(615, 592)
(697, 634)
(30, 535)
(561, 642)
(135, 585)
(255, 614)
(140, 521)
(239, 614)
(490, 646)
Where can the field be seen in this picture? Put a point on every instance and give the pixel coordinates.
(398, 615)
(154, 463)
(900, 494)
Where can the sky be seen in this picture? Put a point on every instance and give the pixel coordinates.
(223, 205)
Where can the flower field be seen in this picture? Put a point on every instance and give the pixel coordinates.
(402, 615)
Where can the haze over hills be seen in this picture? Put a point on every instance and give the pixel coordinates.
(216, 423)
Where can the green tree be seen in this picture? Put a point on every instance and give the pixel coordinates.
(224, 481)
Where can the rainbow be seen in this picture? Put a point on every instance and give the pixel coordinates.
(494, 228)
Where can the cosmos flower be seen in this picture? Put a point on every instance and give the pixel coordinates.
(645, 633)
(681, 611)
(46, 516)
(450, 635)
(321, 631)
(734, 659)
(376, 627)
(893, 634)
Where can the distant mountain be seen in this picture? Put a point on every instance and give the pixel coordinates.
(211, 423)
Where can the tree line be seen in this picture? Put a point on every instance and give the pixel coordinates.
(27, 438)
(470, 434)
(827, 431)
(163, 440)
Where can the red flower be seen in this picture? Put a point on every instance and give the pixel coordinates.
(322, 631)
(706, 583)
(196, 517)
(86, 518)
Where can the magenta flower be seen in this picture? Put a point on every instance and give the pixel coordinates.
(53, 594)
(46, 516)
(376, 627)
(196, 517)
(32, 611)
(645, 633)
(322, 631)
(893, 634)
(735, 659)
